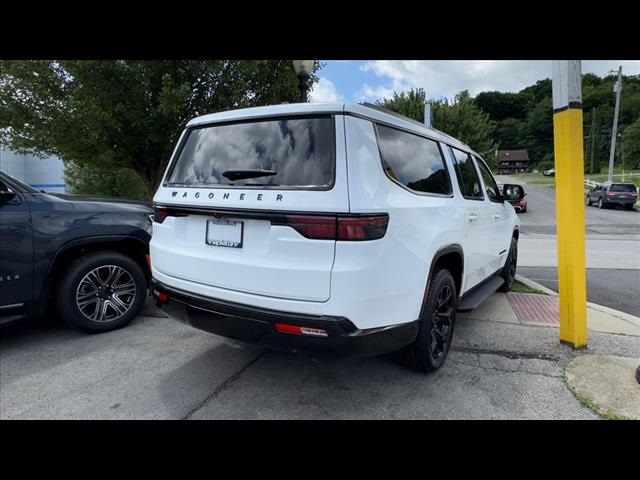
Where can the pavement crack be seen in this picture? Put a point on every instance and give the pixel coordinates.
(507, 354)
(224, 385)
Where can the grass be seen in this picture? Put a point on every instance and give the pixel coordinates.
(519, 287)
(540, 179)
(588, 403)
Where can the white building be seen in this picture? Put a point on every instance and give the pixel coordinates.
(42, 174)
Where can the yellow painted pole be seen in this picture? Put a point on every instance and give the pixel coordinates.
(569, 167)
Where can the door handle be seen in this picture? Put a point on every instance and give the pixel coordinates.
(472, 217)
(496, 216)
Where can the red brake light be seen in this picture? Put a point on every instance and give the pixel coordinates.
(160, 213)
(297, 330)
(362, 227)
(312, 226)
(339, 227)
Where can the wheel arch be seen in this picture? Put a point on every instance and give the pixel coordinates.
(133, 247)
(450, 257)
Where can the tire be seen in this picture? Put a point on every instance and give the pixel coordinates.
(99, 273)
(429, 351)
(588, 201)
(524, 210)
(508, 273)
(629, 206)
(600, 203)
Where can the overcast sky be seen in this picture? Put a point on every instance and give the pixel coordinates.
(373, 80)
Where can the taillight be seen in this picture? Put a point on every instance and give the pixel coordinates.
(160, 213)
(362, 227)
(339, 227)
(297, 330)
(161, 296)
(312, 226)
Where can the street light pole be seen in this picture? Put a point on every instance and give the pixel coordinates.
(303, 69)
(614, 138)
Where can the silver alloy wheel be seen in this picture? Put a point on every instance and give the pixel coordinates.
(106, 293)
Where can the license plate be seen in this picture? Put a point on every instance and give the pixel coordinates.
(224, 233)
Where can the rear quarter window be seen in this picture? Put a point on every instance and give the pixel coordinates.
(413, 161)
(301, 150)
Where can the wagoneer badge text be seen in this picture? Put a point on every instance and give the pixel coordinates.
(225, 196)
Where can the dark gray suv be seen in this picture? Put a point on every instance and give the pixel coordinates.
(607, 194)
(85, 255)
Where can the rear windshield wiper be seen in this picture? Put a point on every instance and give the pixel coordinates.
(247, 173)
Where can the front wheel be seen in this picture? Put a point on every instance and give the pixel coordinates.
(437, 320)
(600, 203)
(588, 201)
(101, 291)
(508, 273)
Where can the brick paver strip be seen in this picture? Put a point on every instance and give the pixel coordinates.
(534, 308)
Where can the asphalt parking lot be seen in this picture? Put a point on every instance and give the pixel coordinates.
(157, 368)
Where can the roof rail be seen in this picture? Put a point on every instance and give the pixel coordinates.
(389, 112)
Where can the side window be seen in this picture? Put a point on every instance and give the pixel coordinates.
(413, 161)
(467, 175)
(490, 185)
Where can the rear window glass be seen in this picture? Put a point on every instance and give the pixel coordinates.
(622, 187)
(299, 150)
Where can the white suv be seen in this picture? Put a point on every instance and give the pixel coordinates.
(328, 226)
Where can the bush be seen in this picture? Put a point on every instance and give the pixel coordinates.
(105, 181)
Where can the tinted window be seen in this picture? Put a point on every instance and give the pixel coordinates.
(622, 187)
(299, 150)
(490, 185)
(413, 161)
(20, 184)
(467, 175)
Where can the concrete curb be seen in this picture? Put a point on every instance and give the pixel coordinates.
(627, 317)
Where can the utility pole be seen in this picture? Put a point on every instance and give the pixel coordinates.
(568, 139)
(593, 137)
(614, 134)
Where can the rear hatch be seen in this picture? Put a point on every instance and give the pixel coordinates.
(251, 206)
(622, 192)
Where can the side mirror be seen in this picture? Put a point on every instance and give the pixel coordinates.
(6, 195)
(513, 192)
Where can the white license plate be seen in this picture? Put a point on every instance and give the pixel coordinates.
(224, 233)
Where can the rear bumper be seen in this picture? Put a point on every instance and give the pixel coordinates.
(257, 325)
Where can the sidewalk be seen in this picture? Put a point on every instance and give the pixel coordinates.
(604, 383)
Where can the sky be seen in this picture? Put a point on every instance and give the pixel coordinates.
(368, 81)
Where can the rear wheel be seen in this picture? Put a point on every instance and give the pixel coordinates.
(600, 203)
(588, 201)
(508, 273)
(101, 291)
(629, 206)
(437, 320)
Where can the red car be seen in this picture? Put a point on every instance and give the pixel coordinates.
(519, 204)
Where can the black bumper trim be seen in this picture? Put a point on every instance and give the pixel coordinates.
(257, 325)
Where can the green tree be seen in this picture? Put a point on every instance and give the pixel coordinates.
(104, 180)
(125, 113)
(500, 105)
(631, 145)
(461, 118)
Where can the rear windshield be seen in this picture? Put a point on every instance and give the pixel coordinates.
(299, 150)
(622, 187)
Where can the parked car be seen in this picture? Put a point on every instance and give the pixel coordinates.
(261, 235)
(549, 173)
(607, 194)
(85, 256)
(517, 197)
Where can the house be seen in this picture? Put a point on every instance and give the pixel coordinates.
(41, 173)
(512, 161)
